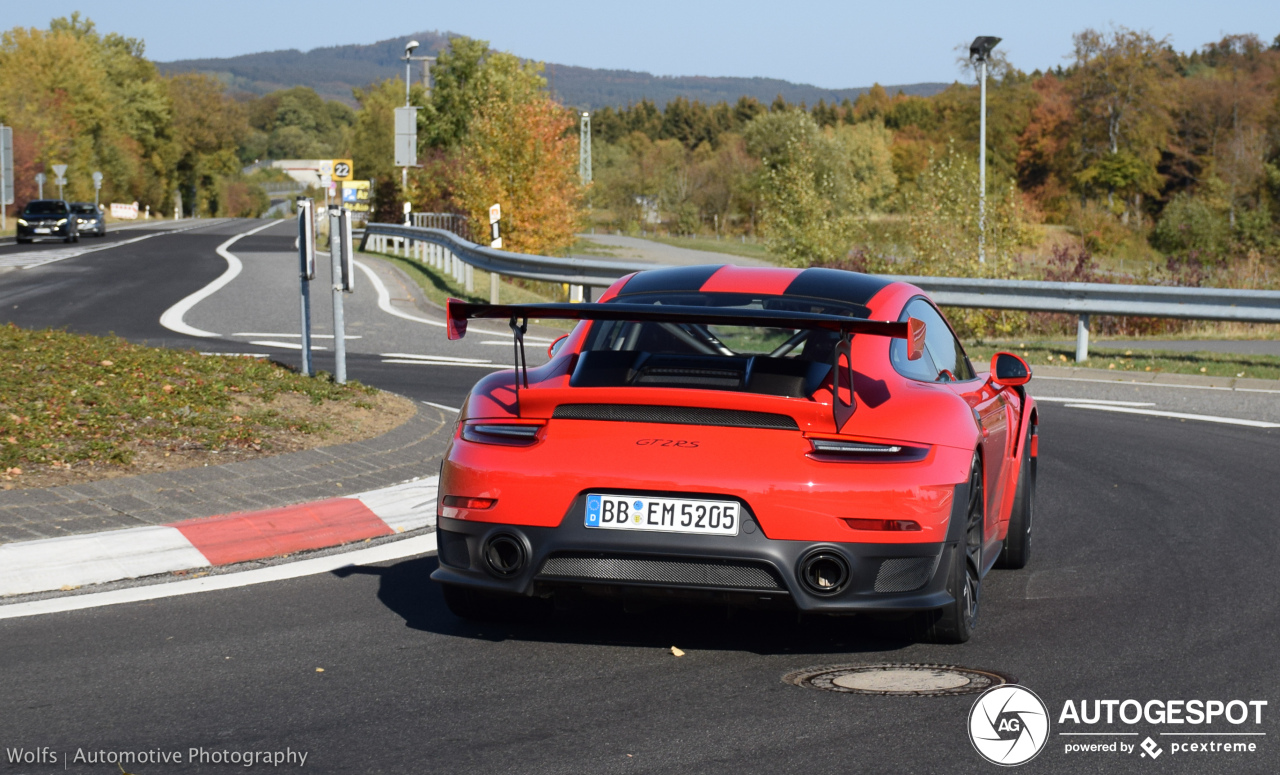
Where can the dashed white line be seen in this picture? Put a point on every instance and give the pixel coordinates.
(286, 345)
(453, 409)
(1092, 401)
(448, 358)
(443, 363)
(1177, 415)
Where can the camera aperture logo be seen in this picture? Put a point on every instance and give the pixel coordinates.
(1008, 725)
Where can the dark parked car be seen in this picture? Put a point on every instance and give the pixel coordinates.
(47, 219)
(89, 218)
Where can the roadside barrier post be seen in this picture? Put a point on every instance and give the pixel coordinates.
(307, 272)
(1082, 338)
(340, 261)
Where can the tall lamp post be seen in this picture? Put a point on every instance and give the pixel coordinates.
(980, 52)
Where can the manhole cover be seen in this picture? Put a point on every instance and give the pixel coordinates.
(898, 680)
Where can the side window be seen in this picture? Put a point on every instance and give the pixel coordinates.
(922, 368)
(941, 348)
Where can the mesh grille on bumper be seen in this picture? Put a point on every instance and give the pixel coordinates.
(692, 573)
(905, 574)
(676, 415)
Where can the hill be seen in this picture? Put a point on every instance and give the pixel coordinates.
(335, 70)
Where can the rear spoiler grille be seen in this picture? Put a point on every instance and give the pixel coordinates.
(675, 415)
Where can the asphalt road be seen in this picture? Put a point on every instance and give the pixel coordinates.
(1154, 576)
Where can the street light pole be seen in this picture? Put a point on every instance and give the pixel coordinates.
(980, 52)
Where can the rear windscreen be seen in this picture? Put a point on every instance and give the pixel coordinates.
(84, 209)
(45, 208)
(759, 359)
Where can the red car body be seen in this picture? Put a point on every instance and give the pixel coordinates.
(889, 530)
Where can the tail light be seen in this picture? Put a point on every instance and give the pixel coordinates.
(852, 450)
(882, 524)
(504, 432)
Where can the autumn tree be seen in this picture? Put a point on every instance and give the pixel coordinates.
(520, 154)
(1120, 91)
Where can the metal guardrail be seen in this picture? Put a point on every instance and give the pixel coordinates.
(1080, 299)
(581, 272)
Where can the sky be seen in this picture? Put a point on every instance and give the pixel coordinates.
(828, 44)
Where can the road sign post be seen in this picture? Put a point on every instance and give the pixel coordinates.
(341, 264)
(6, 173)
(40, 178)
(60, 170)
(307, 272)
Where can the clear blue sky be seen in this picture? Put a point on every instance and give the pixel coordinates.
(829, 44)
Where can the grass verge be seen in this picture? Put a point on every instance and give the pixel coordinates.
(1135, 360)
(728, 245)
(69, 401)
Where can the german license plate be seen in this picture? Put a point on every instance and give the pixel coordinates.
(663, 515)
(43, 231)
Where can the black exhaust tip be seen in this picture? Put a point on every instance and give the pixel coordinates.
(504, 555)
(824, 573)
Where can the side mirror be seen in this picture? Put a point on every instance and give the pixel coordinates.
(1009, 370)
(556, 346)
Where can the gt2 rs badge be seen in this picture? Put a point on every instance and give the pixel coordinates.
(666, 443)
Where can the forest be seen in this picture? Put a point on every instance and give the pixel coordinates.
(1131, 162)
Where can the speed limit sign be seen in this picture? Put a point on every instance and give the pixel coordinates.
(342, 169)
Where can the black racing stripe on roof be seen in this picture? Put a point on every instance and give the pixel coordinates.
(820, 283)
(677, 278)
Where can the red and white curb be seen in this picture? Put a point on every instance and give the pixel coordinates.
(76, 561)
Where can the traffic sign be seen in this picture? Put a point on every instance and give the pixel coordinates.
(61, 181)
(342, 169)
(326, 167)
(326, 180)
(97, 180)
(406, 148)
(60, 170)
(495, 213)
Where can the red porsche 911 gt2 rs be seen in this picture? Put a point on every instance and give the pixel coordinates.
(806, 437)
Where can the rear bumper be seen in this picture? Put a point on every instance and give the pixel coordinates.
(748, 568)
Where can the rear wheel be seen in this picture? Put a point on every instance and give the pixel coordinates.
(479, 605)
(955, 622)
(1016, 551)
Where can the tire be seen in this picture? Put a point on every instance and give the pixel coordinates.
(1016, 552)
(478, 605)
(955, 622)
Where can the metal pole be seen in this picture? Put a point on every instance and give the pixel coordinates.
(337, 235)
(306, 258)
(584, 149)
(1082, 338)
(982, 167)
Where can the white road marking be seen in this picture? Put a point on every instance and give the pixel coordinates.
(299, 336)
(172, 317)
(443, 363)
(1177, 415)
(243, 355)
(1091, 401)
(384, 304)
(405, 507)
(449, 358)
(1156, 384)
(286, 345)
(453, 409)
(34, 258)
(393, 550)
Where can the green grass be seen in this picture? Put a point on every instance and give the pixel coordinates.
(67, 398)
(1134, 360)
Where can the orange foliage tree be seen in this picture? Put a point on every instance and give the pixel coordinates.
(524, 156)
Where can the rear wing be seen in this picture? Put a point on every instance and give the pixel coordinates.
(458, 312)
